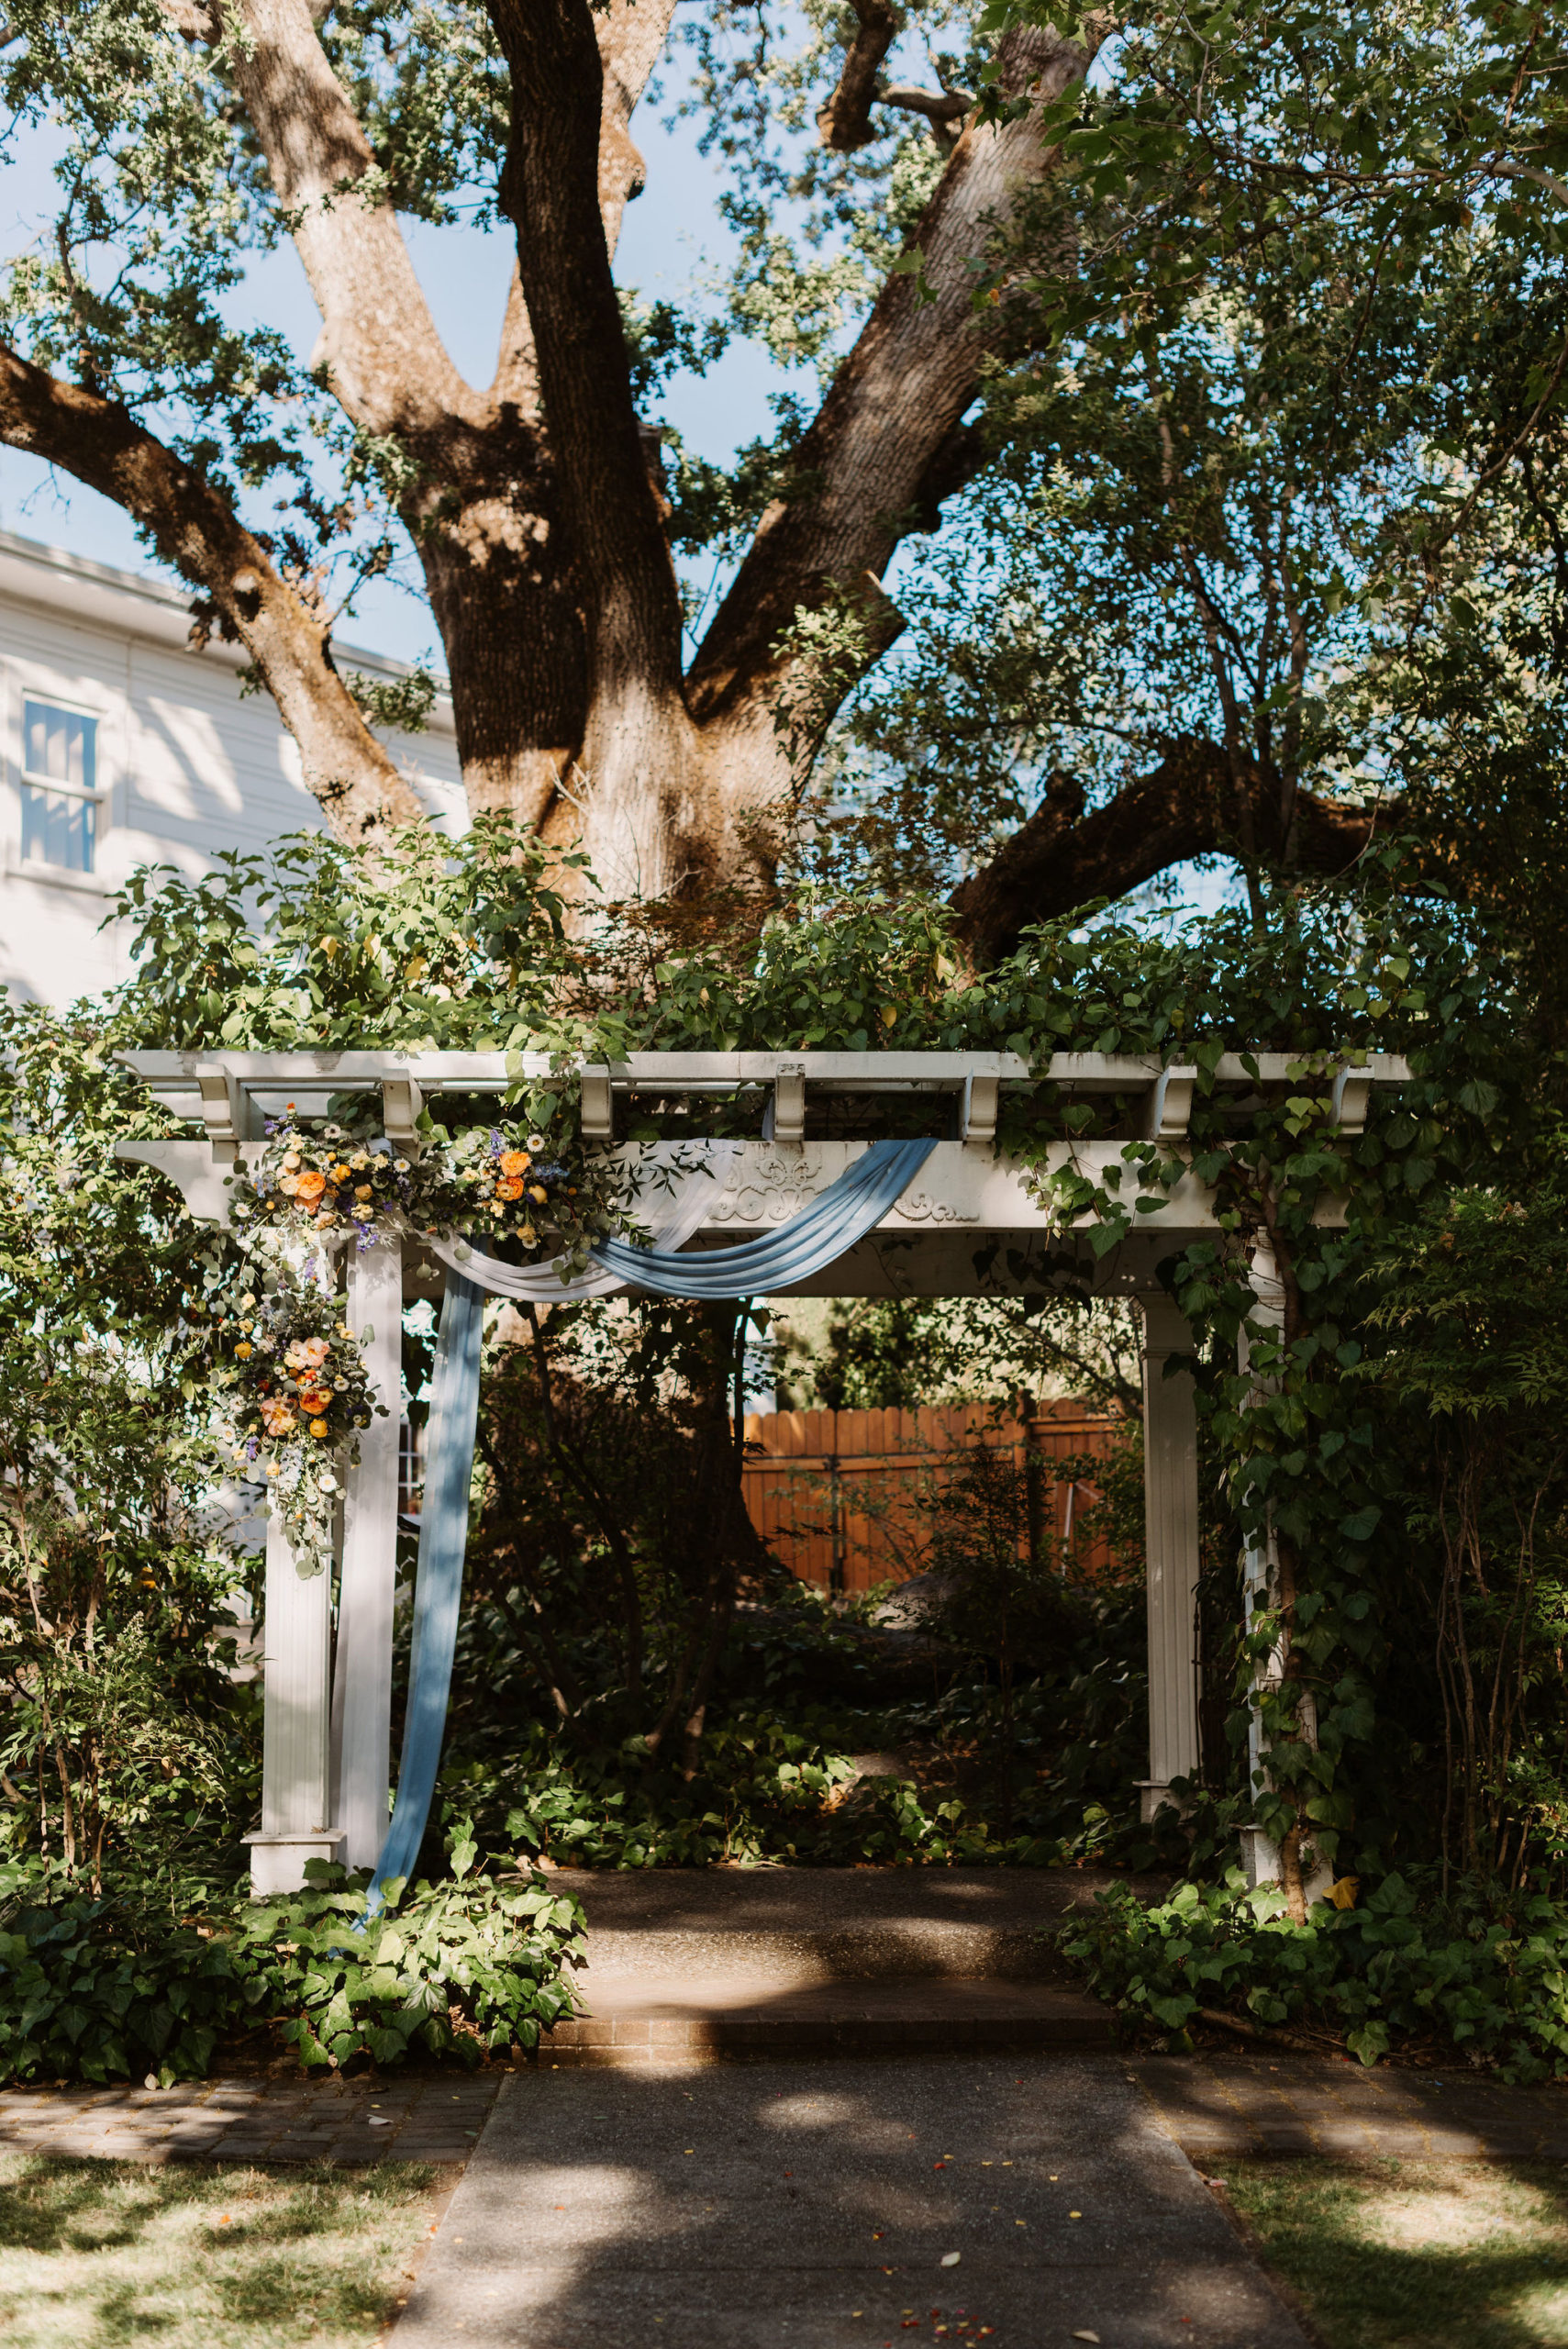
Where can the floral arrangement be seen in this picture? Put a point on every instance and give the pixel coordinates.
(501, 1184)
(338, 1179)
(497, 1183)
(297, 1398)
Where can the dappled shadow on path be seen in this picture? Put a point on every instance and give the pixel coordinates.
(817, 2203)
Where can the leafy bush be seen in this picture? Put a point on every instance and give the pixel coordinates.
(1493, 1985)
(462, 1966)
(107, 1988)
(115, 1987)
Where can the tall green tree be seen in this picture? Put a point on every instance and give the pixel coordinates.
(923, 196)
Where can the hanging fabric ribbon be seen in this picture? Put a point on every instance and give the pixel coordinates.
(807, 1243)
(443, 1539)
(844, 1213)
(677, 1218)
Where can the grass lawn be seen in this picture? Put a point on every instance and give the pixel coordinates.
(1393, 2255)
(94, 2254)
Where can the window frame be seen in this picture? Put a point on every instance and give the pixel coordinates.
(98, 796)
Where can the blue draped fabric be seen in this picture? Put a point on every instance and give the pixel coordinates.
(443, 1539)
(807, 1243)
(815, 1238)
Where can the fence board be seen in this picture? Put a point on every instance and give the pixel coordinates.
(836, 1493)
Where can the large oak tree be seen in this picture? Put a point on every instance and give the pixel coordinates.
(534, 504)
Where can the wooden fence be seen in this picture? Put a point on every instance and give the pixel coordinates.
(836, 1493)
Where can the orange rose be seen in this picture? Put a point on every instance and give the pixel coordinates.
(514, 1162)
(311, 1185)
(312, 1400)
(509, 1187)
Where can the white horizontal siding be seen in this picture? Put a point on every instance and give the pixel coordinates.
(188, 765)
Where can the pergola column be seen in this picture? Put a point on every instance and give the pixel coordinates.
(361, 1681)
(296, 1680)
(1260, 1586)
(1171, 1540)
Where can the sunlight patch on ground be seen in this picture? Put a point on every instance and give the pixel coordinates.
(1391, 2254)
(108, 2253)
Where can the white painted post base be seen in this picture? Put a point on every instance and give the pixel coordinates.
(1170, 1541)
(296, 1822)
(1260, 1864)
(277, 1862)
(1153, 1794)
(362, 1690)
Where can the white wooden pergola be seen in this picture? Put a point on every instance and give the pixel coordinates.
(971, 1225)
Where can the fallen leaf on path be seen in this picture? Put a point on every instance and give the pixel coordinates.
(952, 2258)
(1088, 2336)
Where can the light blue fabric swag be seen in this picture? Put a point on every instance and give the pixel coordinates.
(807, 1243)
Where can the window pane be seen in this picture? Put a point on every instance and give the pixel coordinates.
(59, 743)
(57, 830)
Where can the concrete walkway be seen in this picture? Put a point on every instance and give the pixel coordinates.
(818, 2205)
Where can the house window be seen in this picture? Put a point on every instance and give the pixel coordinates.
(59, 804)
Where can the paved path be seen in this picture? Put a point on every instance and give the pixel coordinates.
(814, 2205)
(1226, 2105)
(1209, 2106)
(437, 2118)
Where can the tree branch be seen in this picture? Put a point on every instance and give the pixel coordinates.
(631, 33)
(943, 110)
(386, 362)
(898, 396)
(550, 188)
(844, 122)
(196, 532)
(1062, 858)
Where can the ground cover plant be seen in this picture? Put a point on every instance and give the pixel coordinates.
(115, 2253)
(1386, 2255)
(115, 1987)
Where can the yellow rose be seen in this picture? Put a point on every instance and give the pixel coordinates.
(243, 1352)
(318, 1427)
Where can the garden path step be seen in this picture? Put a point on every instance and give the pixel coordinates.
(794, 1926)
(704, 1964)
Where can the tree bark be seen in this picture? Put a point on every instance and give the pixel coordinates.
(1062, 858)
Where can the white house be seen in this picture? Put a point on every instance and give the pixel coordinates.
(122, 746)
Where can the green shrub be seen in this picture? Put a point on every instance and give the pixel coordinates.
(1491, 1985)
(106, 1988)
(116, 1988)
(462, 1966)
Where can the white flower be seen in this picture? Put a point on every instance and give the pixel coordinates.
(535, 1142)
(332, 1133)
(400, 1167)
